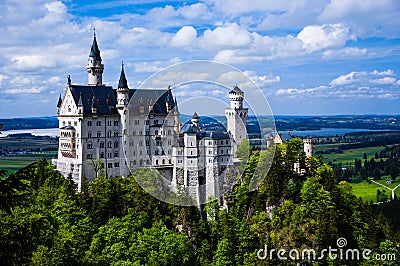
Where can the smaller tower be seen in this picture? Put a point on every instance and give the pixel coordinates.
(308, 146)
(95, 67)
(236, 117)
(59, 104)
(196, 120)
(122, 91)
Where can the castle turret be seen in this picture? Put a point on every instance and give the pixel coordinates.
(196, 120)
(122, 90)
(308, 146)
(236, 116)
(95, 67)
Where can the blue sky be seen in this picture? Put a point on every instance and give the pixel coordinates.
(308, 57)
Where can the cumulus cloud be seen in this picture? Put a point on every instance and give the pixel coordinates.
(231, 35)
(344, 53)
(316, 38)
(184, 37)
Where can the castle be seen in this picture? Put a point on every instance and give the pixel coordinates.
(123, 129)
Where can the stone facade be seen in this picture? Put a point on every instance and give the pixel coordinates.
(115, 131)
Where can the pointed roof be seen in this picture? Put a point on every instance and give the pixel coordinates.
(80, 103)
(123, 83)
(195, 115)
(59, 102)
(236, 89)
(94, 50)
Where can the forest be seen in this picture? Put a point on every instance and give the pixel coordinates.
(113, 221)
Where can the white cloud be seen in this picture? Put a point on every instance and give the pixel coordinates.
(388, 72)
(184, 37)
(316, 38)
(231, 35)
(344, 53)
(348, 79)
(34, 90)
(56, 7)
(385, 81)
(367, 18)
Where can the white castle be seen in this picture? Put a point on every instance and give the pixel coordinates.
(126, 129)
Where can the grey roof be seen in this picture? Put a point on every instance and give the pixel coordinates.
(94, 50)
(104, 98)
(189, 128)
(101, 97)
(151, 97)
(59, 102)
(195, 115)
(236, 89)
(123, 83)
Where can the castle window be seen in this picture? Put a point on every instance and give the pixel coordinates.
(136, 122)
(109, 133)
(116, 134)
(116, 123)
(226, 142)
(102, 145)
(98, 123)
(169, 152)
(169, 142)
(116, 164)
(115, 154)
(163, 161)
(98, 134)
(69, 108)
(156, 152)
(90, 145)
(191, 152)
(169, 161)
(140, 143)
(109, 123)
(89, 123)
(156, 132)
(155, 122)
(109, 165)
(156, 162)
(141, 162)
(75, 123)
(109, 155)
(63, 123)
(116, 144)
(69, 123)
(169, 131)
(134, 162)
(102, 155)
(109, 144)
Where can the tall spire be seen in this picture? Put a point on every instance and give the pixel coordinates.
(123, 83)
(95, 67)
(59, 102)
(94, 50)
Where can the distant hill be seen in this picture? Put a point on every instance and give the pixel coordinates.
(29, 123)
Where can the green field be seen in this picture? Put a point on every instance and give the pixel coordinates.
(13, 163)
(348, 156)
(368, 191)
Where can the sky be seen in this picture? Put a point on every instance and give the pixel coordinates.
(307, 57)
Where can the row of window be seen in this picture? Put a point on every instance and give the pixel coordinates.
(102, 156)
(98, 123)
(98, 134)
(102, 145)
(69, 123)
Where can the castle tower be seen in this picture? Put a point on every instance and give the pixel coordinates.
(236, 116)
(95, 67)
(308, 146)
(122, 91)
(196, 120)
